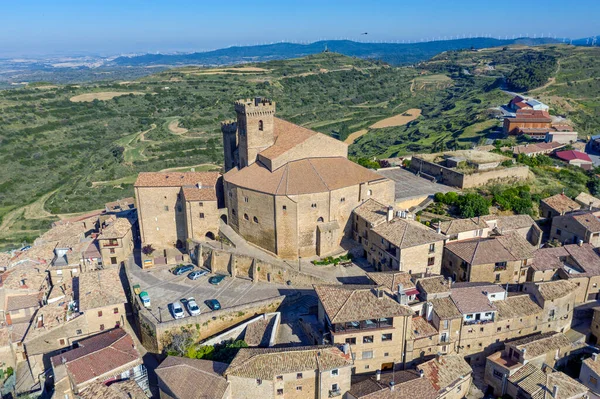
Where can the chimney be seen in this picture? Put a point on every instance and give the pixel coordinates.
(449, 283)
(390, 213)
(199, 185)
(421, 373)
(392, 384)
(428, 310)
(580, 243)
(595, 356)
(591, 205)
(346, 349)
(439, 229)
(555, 391)
(401, 296)
(378, 375)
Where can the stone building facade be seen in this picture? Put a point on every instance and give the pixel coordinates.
(175, 208)
(288, 189)
(115, 241)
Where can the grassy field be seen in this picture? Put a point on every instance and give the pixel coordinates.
(68, 157)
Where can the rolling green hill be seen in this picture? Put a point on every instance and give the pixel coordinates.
(69, 149)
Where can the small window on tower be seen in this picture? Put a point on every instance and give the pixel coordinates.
(260, 125)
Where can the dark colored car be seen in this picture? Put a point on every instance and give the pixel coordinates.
(183, 269)
(196, 274)
(213, 304)
(216, 280)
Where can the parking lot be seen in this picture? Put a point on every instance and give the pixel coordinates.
(164, 288)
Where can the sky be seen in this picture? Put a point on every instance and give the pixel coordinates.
(108, 27)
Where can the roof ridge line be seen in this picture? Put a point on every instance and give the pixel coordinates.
(96, 351)
(318, 174)
(344, 304)
(285, 173)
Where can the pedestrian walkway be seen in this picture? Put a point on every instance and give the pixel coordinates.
(335, 274)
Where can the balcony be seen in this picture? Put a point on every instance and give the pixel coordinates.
(476, 322)
(335, 392)
(110, 244)
(384, 322)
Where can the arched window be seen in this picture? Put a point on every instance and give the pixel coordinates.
(260, 125)
(320, 220)
(255, 219)
(246, 216)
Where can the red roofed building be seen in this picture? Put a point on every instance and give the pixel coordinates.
(104, 358)
(527, 119)
(576, 158)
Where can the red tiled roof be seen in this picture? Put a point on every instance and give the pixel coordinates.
(571, 155)
(99, 355)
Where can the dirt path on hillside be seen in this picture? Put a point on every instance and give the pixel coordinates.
(35, 210)
(352, 137)
(175, 129)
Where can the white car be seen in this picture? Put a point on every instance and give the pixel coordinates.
(177, 310)
(193, 307)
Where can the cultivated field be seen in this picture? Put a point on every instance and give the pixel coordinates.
(397, 120)
(353, 136)
(102, 95)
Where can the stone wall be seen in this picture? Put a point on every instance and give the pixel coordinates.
(161, 222)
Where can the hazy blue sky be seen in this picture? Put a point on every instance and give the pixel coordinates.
(108, 26)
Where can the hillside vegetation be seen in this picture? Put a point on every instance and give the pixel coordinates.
(66, 157)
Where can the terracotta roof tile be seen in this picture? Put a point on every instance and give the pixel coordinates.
(540, 344)
(18, 302)
(552, 290)
(117, 229)
(344, 303)
(183, 376)
(589, 220)
(372, 211)
(434, 285)
(127, 389)
(561, 203)
(199, 194)
(421, 328)
(482, 251)
(472, 298)
(100, 288)
(586, 199)
(266, 363)
(176, 179)
(407, 385)
(445, 371)
(445, 308)
(516, 306)
(405, 233)
(456, 226)
(287, 136)
(390, 280)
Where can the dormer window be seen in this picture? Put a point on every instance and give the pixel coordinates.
(260, 125)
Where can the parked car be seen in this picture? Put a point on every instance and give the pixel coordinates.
(179, 270)
(177, 310)
(213, 304)
(145, 298)
(193, 307)
(216, 280)
(196, 274)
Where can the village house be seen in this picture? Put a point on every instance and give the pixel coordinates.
(588, 201)
(557, 205)
(535, 149)
(181, 378)
(589, 375)
(536, 349)
(557, 299)
(579, 263)
(174, 207)
(520, 102)
(486, 226)
(102, 298)
(291, 190)
(578, 226)
(103, 358)
(400, 282)
(528, 121)
(293, 372)
(405, 384)
(123, 205)
(464, 229)
(531, 382)
(116, 240)
(450, 375)
(433, 287)
(499, 259)
(576, 158)
(370, 319)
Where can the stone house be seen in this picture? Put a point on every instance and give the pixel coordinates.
(531, 382)
(464, 229)
(589, 375)
(499, 259)
(557, 299)
(102, 299)
(103, 358)
(115, 240)
(174, 207)
(294, 372)
(20, 308)
(537, 349)
(180, 378)
(574, 262)
(405, 384)
(288, 189)
(405, 245)
(370, 319)
(433, 287)
(522, 225)
(588, 201)
(557, 205)
(450, 375)
(398, 282)
(577, 226)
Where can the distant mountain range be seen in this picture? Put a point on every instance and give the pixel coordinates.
(392, 53)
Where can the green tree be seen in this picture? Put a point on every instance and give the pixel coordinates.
(471, 205)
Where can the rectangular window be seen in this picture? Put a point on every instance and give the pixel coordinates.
(298, 376)
(166, 207)
(445, 324)
(101, 327)
(201, 215)
(431, 261)
(200, 203)
(78, 332)
(342, 199)
(351, 341)
(299, 388)
(61, 341)
(497, 277)
(498, 375)
(280, 391)
(334, 387)
(386, 337)
(111, 250)
(116, 310)
(367, 355)
(335, 372)
(558, 232)
(245, 199)
(368, 339)
(593, 381)
(258, 380)
(279, 378)
(99, 313)
(431, 248)
(285, 207)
